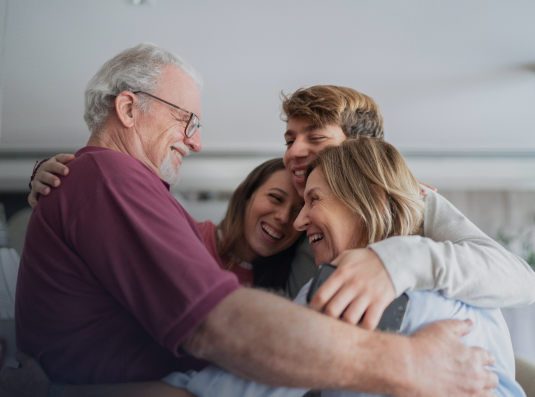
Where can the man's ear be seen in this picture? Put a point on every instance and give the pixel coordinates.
(124, 107)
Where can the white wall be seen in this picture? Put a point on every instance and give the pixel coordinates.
(3, 28)
(510, 212)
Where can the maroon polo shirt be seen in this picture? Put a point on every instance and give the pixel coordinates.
(114, 275)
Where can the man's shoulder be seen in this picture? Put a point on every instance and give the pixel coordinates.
(95, 165)
(108, 161)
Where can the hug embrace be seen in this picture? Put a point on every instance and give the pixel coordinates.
(121, 292)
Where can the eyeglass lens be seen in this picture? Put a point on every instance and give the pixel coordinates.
(192, 125)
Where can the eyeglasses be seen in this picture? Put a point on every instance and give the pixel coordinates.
(193, 122)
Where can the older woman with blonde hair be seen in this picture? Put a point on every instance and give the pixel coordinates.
(362, 192)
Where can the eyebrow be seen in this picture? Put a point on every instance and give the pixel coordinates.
(308, 128)
(280, 191)
(311, 191)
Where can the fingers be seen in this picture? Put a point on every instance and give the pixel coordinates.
(46, 177)
(64, 158)
(492, 380)
(40, 188)
(356, 310)
(455, 328)
(373, 316)
(32, 199)
(48, 171)
(486, 357)
(324, 294)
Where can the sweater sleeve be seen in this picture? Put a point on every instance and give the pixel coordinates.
(457, 259)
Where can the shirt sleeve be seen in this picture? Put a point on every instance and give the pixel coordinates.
(147, 253)
(216, 382)
(457, 259)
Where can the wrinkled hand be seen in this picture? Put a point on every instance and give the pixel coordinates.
(360, 286)
(28, 381)
(428, 186)
(441, 365)
(45, 178)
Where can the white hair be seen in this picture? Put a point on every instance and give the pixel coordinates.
(135, 69)
(170, 173)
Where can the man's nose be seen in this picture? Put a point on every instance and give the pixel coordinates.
(298, 149)
(194, 142)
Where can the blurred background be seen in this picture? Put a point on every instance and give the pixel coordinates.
(455, 81)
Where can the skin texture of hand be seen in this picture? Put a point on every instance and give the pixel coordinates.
(28, 381)
(432, 362)
(359, 287)
(272, 341)
(46, 176)
(461, 372)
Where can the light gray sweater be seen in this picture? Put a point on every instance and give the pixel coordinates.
(453, 257)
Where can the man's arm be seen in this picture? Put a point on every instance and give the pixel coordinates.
(457, 259)
(270, 340)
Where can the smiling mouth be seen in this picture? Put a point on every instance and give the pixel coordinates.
(299, 173)
(176, 152)
(271, 232)
(313, 239)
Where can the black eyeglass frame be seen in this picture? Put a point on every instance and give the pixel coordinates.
(192, 116)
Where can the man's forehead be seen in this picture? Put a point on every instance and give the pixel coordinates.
(303, 127)
(180, 86)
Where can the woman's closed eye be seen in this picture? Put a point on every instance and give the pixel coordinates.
(276, 197)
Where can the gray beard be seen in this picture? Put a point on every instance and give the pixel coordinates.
(170, 173)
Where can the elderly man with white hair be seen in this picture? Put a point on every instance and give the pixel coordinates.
(115, 284)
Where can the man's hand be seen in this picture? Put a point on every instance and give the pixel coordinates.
(360, 286)
(45, 178)
(29, 380)
(443, 366)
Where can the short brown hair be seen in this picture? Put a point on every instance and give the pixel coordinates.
(356, 113)
(371, 178)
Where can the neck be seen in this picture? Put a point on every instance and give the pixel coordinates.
(122, 140)
(107, 141)
(248, 255)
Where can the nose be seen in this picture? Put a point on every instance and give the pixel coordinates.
(302, 221)
(194, 142)
(298, 149)
(283, 215)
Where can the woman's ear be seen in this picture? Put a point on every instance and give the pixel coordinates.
(124, 107)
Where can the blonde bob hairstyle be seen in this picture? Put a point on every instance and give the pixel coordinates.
(371, 178)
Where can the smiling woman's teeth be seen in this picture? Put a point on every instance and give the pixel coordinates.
(315, 238)
(300, 173)
(272, 233)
